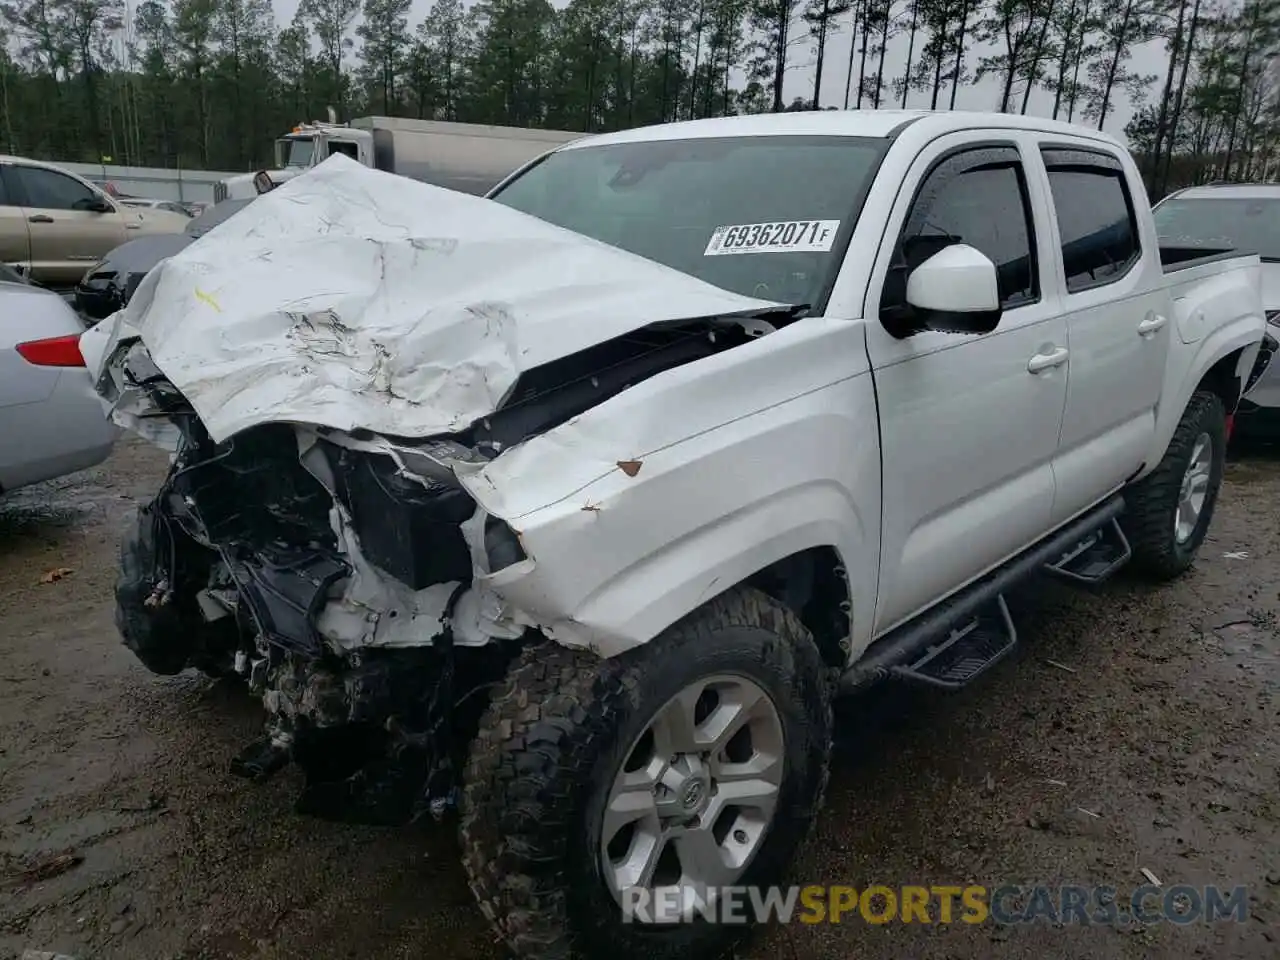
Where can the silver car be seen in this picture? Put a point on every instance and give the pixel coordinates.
(1242, 217)
(51, 421)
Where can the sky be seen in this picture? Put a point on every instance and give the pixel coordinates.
(983, 95)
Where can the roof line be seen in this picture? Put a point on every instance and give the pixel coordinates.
(893, 134)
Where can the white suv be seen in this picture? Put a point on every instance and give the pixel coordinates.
(1244, 217)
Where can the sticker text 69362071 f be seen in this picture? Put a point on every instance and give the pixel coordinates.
(787, 236)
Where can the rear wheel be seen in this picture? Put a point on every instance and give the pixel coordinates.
(645, 783)
(1169, 510)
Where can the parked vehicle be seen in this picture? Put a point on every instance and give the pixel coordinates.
(172, 206)
(54, 223)
(51, 420)
(645, 458)
(1238, 216)
(108, 284)
(470, 157)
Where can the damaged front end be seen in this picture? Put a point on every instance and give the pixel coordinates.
(343, 574)
(365, 382)
(328, 577)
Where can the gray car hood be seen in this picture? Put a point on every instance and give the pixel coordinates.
(351, 298)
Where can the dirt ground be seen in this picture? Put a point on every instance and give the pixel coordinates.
(1151, 741)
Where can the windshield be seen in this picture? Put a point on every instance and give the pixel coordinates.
(1247, 225)
(760, 216)
(199, 226)
(295, 151)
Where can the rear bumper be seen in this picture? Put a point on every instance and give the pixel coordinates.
(66, 432)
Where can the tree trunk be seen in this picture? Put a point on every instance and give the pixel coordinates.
(1078, 54)
(631, 80)
(884, 49)
(1065, 58)
(937, 65)
(1182, 87)
(1012, 50)
(780, 55)
(1162, 118)
(1114, 67)
(822, 46)
(1241, 80)
(697, 57)
(955, 77)
(1037, 56)
(853, 46)
(866, 35)
(911, 49)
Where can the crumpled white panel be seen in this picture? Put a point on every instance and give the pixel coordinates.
(352, 298)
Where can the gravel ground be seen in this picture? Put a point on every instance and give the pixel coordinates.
(1158, 716)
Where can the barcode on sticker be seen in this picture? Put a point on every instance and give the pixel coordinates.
(786, 236)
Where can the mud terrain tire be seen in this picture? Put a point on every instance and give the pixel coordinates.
(562, 725)
(1152, 502)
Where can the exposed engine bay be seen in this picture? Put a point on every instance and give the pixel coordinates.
(336, 572)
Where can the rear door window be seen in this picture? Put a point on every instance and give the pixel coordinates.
(1097, 225)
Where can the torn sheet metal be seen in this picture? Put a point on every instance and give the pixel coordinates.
(372, 609)
(356, 299)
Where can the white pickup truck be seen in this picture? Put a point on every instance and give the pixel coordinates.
(578, 504)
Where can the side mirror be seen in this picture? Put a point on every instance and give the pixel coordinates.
(263, 183)
(955, 291)
(95, 205)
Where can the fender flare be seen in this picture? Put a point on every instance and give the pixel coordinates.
(1238, 336)
(660, 589)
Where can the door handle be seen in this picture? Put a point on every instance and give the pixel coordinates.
(39, 218)
(133, 226)
(1151, 323)
(1047, 361)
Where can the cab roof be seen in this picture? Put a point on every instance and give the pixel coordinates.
(884, 124)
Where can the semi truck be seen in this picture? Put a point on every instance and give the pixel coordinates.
(468, 157)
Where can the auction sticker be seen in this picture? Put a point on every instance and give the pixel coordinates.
(787, 236)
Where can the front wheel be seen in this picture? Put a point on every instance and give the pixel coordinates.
(608, 803)
(1170, 509)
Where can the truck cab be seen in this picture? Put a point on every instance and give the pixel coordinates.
(302, 148)
(311, 143)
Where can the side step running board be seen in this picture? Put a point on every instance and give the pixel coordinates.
(1095, 558)
(968, 653)
(914, 645)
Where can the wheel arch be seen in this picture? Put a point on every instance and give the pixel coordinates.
(1225, 358)
(803, 565)
(1225, 380)
(813, 583)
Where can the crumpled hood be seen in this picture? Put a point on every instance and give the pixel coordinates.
(352, 298)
